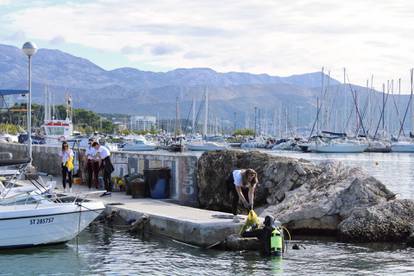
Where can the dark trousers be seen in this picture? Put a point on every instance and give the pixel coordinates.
(231, 188)
(66, 174)
(107, 169)
(92, 167)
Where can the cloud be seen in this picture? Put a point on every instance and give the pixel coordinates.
(57, 40)
(128, 50)
(195, 55)
(17, 36)
(280, 37)
(163, 49)
(174, 29)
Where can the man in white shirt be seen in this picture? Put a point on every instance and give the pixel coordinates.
(92, 165)
(104, 154)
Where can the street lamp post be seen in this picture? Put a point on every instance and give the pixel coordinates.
(29, 48)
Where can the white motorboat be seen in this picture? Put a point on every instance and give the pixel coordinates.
(257, 142)
(402, 146)
(5, 137)
(57, 131)
(197, 145)
(40, 224)
(378, 146)
(138, 143)
(28, 217)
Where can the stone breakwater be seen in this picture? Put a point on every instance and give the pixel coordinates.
(323, 199)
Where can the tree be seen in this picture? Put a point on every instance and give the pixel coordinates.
(244, 132)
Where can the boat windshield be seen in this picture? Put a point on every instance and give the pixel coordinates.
(55, 131)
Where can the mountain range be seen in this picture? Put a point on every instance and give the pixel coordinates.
(232, 96)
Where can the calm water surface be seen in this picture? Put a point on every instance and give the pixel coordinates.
(395, 170)
(101, 250)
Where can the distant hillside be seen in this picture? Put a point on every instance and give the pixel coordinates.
(291, 100)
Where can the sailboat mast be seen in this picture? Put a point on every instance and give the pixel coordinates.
(411, 98)
(317, 116)
(255, 121)
(177, 119)
(194, 117)
(346, 103)
(205, 114)
(383, 106)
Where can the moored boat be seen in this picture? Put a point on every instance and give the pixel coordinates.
(40, 224)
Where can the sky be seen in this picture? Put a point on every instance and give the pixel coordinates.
(276, 37)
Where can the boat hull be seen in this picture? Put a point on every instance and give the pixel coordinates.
(26, 226)
(338, 148)
(402, 147)
(139, 148)
(204, 147)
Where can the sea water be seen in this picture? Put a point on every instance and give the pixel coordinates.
(105, 250)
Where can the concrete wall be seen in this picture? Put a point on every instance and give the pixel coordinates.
(183, 186)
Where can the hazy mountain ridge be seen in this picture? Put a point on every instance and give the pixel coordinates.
(132, 91)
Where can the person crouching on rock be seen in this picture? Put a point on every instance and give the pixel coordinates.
(242, 185)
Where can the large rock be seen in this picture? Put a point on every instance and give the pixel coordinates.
(390, 221)
(215, 167)
(306, 197)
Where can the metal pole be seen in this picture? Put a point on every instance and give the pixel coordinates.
(29, 112)
(255, 121)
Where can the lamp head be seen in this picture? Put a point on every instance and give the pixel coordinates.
(29, 48)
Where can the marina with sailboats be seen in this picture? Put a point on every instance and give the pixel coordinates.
(156, 138)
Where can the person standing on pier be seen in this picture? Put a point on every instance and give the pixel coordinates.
(242, 186)
(66, 156)
(106, 165)
(92, 165)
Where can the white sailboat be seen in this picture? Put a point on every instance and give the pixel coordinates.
(407, 144)
(402, 146)
(342, 145)
(200, 144)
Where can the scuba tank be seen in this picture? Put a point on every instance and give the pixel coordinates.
(276, 242)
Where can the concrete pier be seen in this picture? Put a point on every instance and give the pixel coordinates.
(186, 224)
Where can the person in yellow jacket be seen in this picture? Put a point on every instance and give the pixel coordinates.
(66, 156)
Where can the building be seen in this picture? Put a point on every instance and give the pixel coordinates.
(142, 122)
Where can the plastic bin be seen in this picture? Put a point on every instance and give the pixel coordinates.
(137, 188)
(157, 182)
(128, 179)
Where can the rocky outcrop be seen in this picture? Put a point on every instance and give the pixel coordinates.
(390, 221)
(325, 198)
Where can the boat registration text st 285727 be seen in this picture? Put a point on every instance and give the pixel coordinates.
(42, 220)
